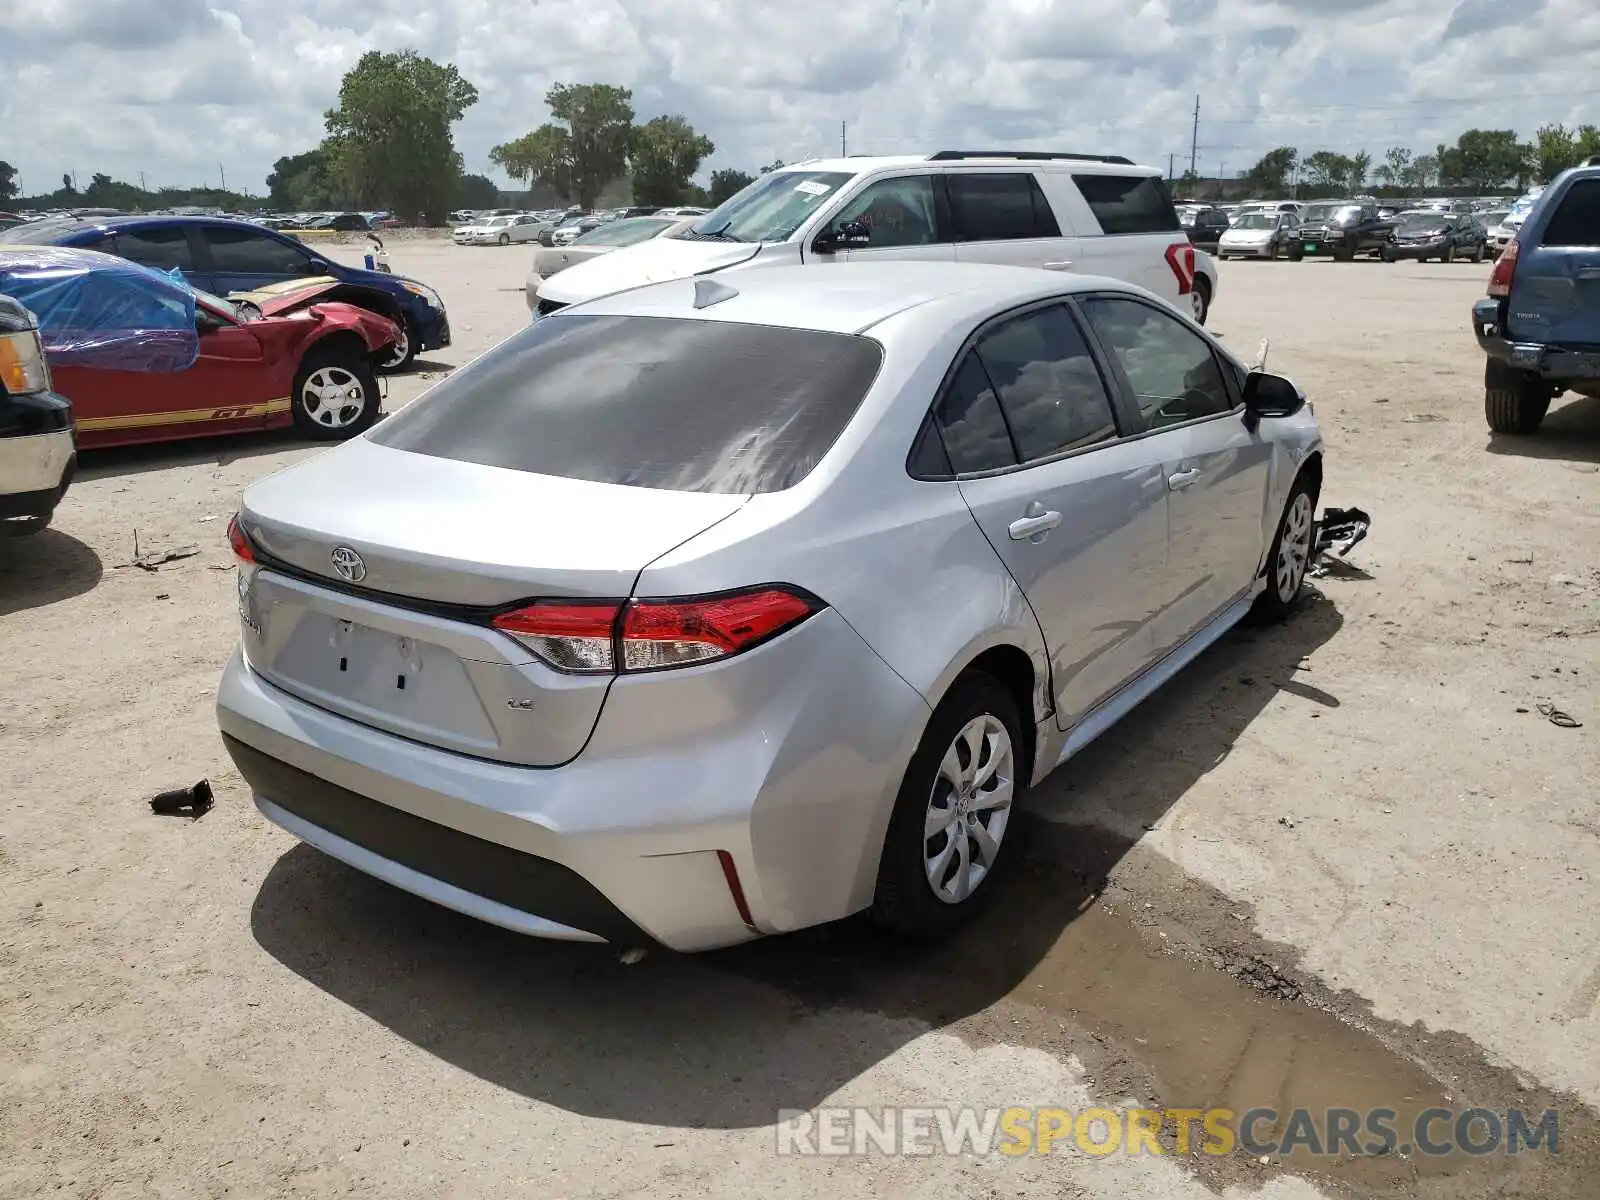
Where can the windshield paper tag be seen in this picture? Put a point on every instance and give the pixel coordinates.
(812, 188)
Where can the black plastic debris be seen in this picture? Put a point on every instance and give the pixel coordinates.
(1338, 533)
(192, 802)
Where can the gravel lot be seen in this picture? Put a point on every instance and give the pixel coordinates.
(1344, 861)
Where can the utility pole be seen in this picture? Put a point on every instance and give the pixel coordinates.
(1194, 136)
(224, 176)
(842, 151)
(1171, 159)
(141, 182)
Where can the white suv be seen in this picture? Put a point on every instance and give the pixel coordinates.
(1089, 214)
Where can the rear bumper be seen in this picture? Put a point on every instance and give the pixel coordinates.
(785, 778)
(1555, 363)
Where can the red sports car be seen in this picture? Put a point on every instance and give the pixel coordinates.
(259, 367)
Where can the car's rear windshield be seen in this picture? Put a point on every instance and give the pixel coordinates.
(1576, 220)
(42, 233)
(657, 402)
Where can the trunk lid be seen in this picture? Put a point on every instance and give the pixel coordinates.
(1555, 292)
(405, 644)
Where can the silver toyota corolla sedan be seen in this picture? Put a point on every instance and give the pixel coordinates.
(700, 612)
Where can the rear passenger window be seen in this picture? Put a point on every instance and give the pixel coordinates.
(1050, 389)
(975, 434)
(158, 247)
(1174, 375)
(999, 207)
(246, 252)
(1129, 203)
(1577, 221)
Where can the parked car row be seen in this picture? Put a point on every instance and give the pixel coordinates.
(224, 257)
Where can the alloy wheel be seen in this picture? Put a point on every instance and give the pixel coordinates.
(1294, 548)
(402, 348)
(333, 397)
(969, 808)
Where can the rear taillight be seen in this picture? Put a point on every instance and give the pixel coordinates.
(607, 637)
(240, 541)
(1504, 267)
(1180, 257)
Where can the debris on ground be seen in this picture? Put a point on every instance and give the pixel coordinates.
(1286, 822)
(193, 802)
(629, 957)
(152, 560)
(1556, 717)
(1339, 532)
(1260, 973)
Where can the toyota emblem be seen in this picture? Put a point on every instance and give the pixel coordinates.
(348, 565)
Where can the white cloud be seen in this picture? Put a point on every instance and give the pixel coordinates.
(125, 86)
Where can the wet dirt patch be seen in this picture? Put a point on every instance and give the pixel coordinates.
(1080, 955)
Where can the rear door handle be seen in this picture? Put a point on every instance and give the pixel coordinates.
(1182, 479)
(1034, 524)
(1057, 266)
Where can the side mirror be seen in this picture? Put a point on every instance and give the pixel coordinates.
(1267, 395)
(850, 235)
(316, 266)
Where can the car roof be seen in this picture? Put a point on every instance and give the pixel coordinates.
(860, 164)
(849, 297)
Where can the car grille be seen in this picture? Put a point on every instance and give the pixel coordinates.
(546, 307)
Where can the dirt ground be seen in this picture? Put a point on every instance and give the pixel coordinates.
(1344, 861)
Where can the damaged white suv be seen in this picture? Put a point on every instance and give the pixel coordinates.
(1086, 214)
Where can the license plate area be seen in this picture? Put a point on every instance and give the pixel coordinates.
(407, 684)
(1310, 245)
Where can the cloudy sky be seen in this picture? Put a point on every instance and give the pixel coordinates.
(172, 88)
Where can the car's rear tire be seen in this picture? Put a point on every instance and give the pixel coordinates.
(505, 239)
(335, 393)
(1290, 554)
(1296, 254)
(1388, 255)
(947, 836)
(1200, 299)
(1514, 401)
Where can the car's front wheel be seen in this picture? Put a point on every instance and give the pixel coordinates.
(335, 394)
(1290, 554)
(947, 837)
(405, 349)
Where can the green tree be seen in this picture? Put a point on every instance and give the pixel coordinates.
(1271, 173)
(1360, 168)
(1328, 169)
(1420, 172)
(8, 181)
(1393, 168)
(728, 182)
(67, 185)
(390, 137)
(477, 191)
(302, 182)
(665, 153)
(1483, 159)
(773, 166)
(581, 154)
(1555, 148)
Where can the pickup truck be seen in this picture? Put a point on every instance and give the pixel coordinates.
(1342, 231)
